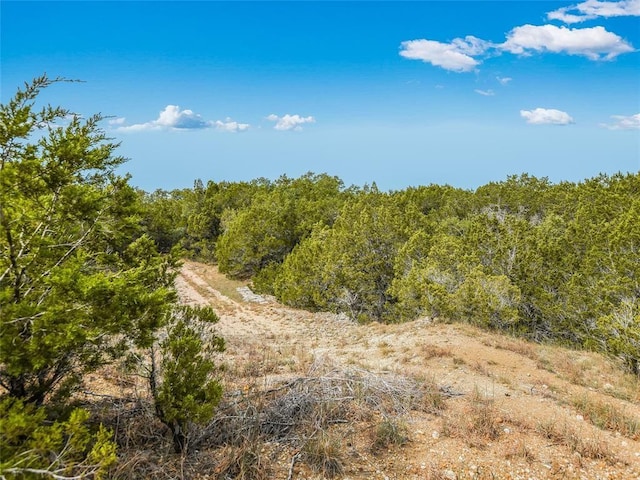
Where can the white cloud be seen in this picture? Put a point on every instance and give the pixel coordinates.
(594, 43)
(230, 126)
(622, 122)
(117, 121)
(504, 80)
(546, 116)
(595, 8)
(171, 118)
(486, 93)
(454, 56)
(290, 122)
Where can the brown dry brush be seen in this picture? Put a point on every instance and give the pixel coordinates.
(294, 419)
(298, 415)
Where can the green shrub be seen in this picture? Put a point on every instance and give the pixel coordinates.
(33, 447)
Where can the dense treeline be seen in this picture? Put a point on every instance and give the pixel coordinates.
(551, 262)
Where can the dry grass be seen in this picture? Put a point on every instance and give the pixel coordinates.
(516, 345)
(244, 462)
(390, 432)
(430, 351)
(433, 397)
(479, 423)
(590, 370)
(458, 361)
(607, 416)
(577, 441)
(324, 454)
(519, 450)
(484, 419)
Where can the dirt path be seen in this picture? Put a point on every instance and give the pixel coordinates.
(534, 391)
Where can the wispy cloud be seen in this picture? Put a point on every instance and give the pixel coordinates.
(594, 43)
(456, 56)
(546, 116)
(230, 126)
(622, 122)
(591, 9)
(504, 80)
(486, 93)
(290, 122)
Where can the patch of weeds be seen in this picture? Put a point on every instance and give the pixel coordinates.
(481, 369)
(577, 441)
(260, 362)
(622, 385)
(520, 347)
(506, 381)
(574, 371)
(434, 351)
(519, 450)
(595, 448)
(607, 416)
(433, 400)
(323, 454)
(385, 348)
(479, 424)
(459, 361)
(545, 363)
(547, 428)
(390, 432)
(300, 360)
(245, 462)
(484, 420)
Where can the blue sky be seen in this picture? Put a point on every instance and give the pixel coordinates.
(397, 93)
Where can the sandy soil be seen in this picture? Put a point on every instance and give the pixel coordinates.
(532, 390)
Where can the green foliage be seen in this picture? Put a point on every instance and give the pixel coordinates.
(79, 283)
(32, 447)
(267, 230)
(301, 281)
(619, 334)
(348, 268)
(185, 394)
(163, 218)
(486, 300)
(192, 218)
(429, 270)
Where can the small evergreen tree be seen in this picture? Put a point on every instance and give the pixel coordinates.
(184, 392)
